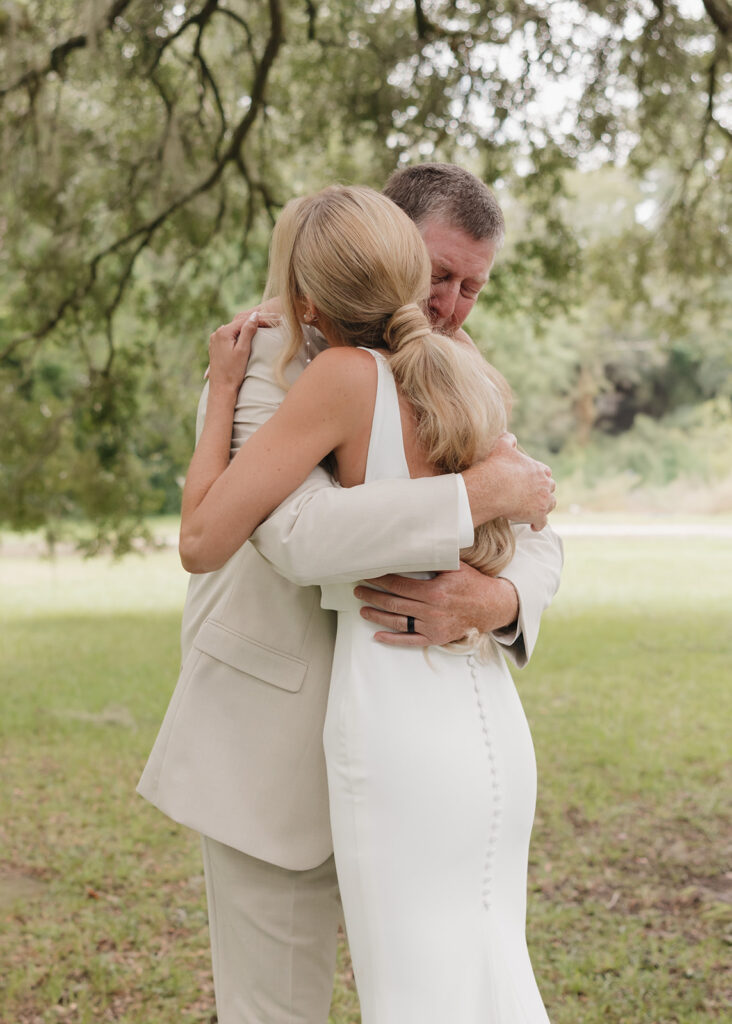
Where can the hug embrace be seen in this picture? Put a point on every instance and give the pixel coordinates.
(367, 542)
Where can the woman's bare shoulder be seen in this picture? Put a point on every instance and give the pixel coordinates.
(341, 357)
(343, 371)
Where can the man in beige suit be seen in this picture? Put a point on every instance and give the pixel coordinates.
(239, 756)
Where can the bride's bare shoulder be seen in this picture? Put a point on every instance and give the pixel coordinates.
(345, 370)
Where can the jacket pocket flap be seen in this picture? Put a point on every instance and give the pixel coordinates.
(250, 657)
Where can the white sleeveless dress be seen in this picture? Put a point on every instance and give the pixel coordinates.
(432, 782)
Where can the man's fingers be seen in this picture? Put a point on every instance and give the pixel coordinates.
(389, 602)
(402, 639)
(540, 522)
(392, 620)
(396, 633)
(401, 585)
(506, 440)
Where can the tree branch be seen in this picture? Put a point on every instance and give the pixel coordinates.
(720, 12)
(200, 19)
(424, 25)
(111, 309)
(206, 76)
(240, 21)
(60, 52)
(312, 17)
(147, 230)
(709, 119)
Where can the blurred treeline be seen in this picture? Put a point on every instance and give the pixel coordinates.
(147, 147)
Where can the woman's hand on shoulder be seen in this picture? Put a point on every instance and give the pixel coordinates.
(229, 348)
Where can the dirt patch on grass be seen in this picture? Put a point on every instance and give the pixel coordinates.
(676, 865)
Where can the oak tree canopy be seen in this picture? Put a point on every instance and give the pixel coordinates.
(147, 147)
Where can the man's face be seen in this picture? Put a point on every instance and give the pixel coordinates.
(460, 268)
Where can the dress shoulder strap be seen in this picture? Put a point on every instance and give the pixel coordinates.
(386, 458)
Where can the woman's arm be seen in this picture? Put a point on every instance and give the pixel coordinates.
(225, 377)
(224, 502)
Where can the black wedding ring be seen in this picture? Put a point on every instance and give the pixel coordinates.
(410, 624)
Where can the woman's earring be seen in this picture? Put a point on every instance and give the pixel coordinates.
(309, 318)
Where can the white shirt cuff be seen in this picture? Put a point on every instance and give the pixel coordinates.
(466, 533)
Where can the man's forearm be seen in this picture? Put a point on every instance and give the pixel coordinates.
(328, 534)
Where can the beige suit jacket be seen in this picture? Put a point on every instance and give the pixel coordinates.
(239, 754)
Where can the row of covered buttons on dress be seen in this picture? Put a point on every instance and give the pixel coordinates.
(495, 787)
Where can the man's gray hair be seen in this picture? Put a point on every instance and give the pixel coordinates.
(447, 192)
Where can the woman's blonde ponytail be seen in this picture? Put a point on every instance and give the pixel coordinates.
(460, 408)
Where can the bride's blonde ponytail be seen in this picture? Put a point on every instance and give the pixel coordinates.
(460, 409)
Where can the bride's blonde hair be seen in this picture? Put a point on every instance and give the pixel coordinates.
(362, 262)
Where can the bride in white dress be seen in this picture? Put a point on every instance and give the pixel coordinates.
(431, 769)
(432, 785)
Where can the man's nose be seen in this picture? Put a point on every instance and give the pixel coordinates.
(443, 300)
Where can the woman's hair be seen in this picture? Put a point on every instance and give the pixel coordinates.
(362, 263)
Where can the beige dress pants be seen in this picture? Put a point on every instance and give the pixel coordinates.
(273, 937)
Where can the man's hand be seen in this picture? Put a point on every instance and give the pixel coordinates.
(444, 608)
(511, 484)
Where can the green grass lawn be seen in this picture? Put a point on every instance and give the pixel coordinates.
(629, 699)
